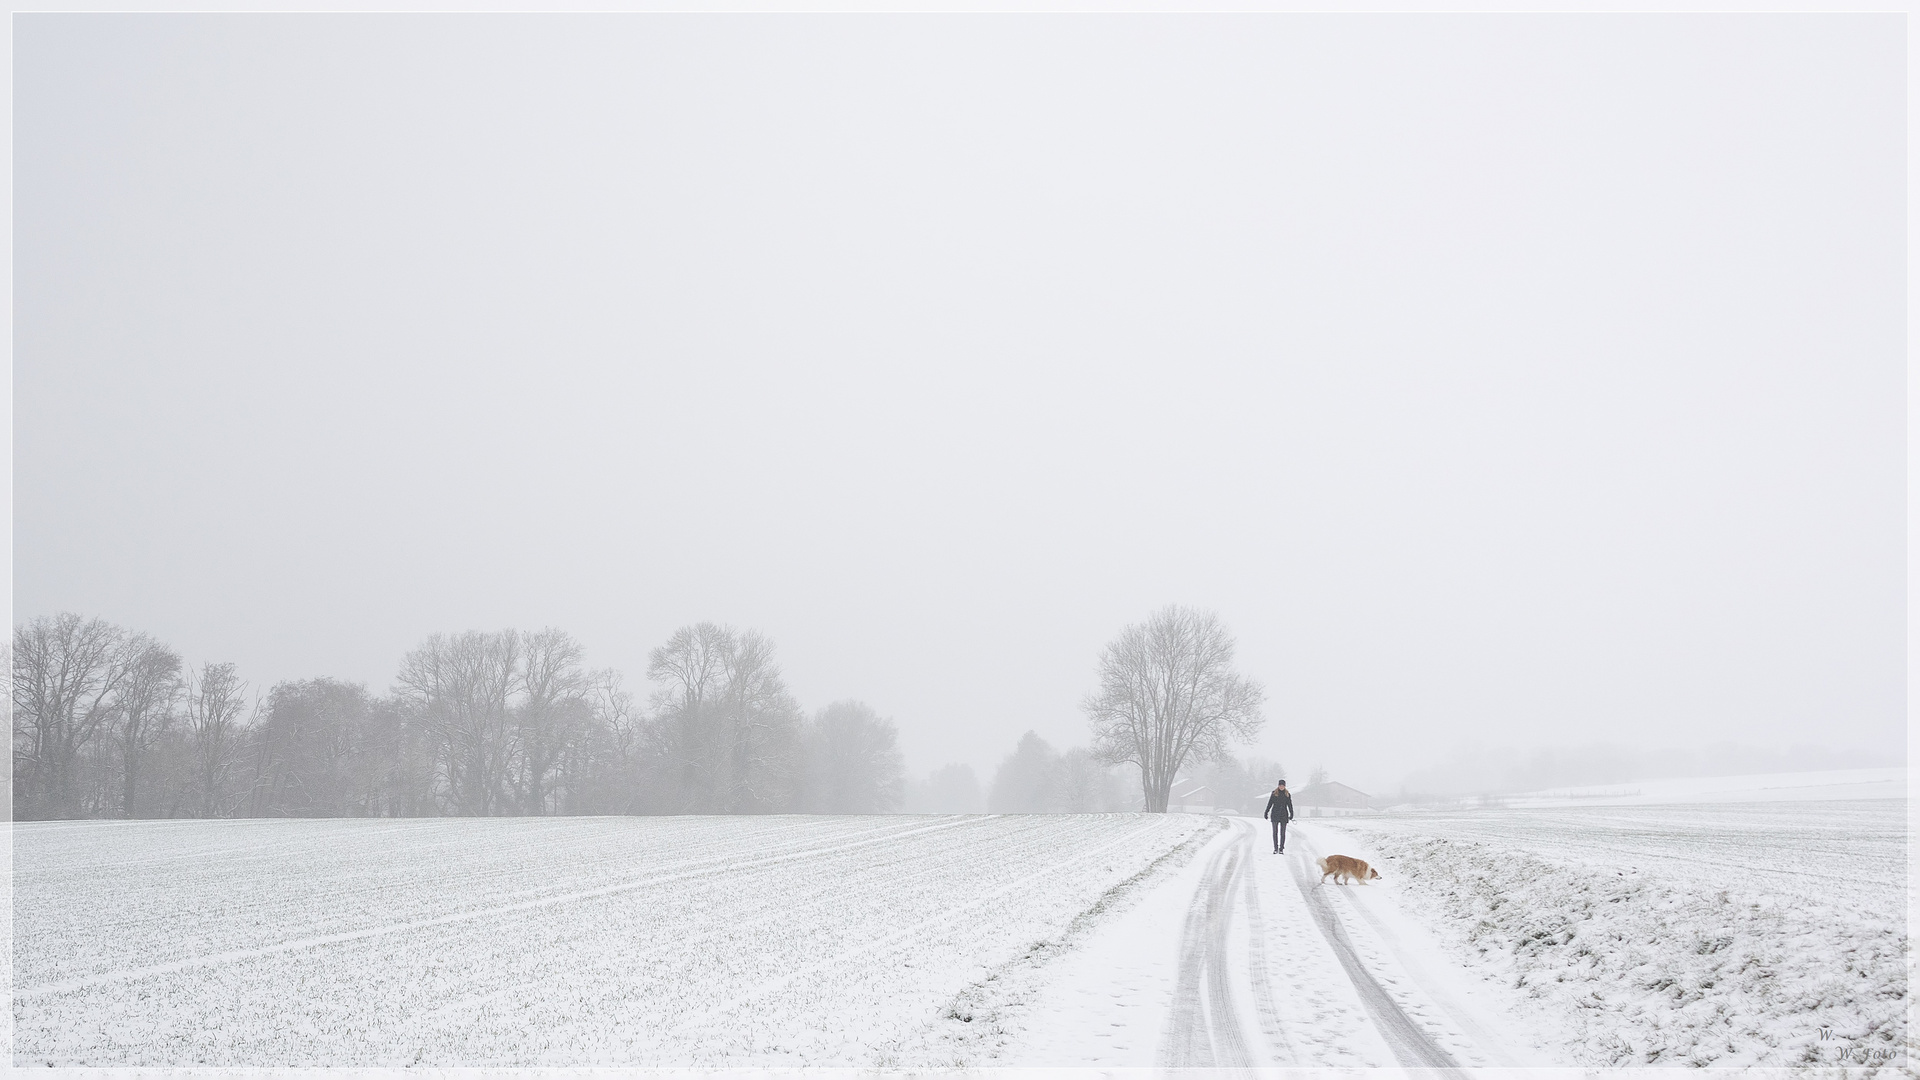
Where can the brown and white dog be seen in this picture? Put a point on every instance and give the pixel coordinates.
(1342, 867)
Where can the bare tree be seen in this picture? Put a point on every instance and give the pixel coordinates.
(726, 724)
(602, 766)
(1028, 781)
(1089, 785)
(215, 701)
(143, 709)
(320, 753)
(761, 724)
(853, 763)
(460, 688)
(402, 774)
(1168, 694)
(66, 670)
(512, 718)
(690, 670)
(551, 713)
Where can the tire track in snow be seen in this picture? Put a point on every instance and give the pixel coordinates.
(1223, 1017)
(1412, 1046)
(1435, 988)
(1264, 1006)
(1203, 1030)
(232, 956)
(1184, 1043)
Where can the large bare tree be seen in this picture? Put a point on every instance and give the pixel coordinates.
(143, 706)
(552, 711)
(852, 762)
(317, 750)
(460, 687)
(690, 671)
(215, 700)
(505, 712)
(1169, 695)
(67, 671)
(602, 767)
(761, 721)
(727, 724)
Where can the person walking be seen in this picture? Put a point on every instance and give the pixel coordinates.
(1279, 811)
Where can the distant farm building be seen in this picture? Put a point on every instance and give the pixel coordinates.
(1191, 798)
(1330, 799)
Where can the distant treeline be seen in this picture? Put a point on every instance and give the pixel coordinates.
(109, 722)
(1034, 779)
(1037, 779)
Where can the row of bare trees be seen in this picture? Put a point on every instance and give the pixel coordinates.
(111, 723)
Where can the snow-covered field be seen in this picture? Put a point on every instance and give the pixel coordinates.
(1822, 786)
(1573, 934)
(1704, 932)
(737, 941)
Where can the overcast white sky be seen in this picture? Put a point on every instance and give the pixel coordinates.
(1535, 381)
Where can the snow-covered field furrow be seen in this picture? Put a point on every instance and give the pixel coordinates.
(1729, 934)
(617, 941)
(361, 877)
(354, 875)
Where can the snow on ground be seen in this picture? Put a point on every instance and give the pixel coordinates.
(1885, 783)
(1251, 978)
(674, 941)
(1707, 933)
(1574, 935)
(1098, 994)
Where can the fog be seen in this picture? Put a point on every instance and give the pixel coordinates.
(1508, 386)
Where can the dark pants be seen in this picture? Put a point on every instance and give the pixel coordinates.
(1279, 835)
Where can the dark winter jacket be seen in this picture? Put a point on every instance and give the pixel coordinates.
(1279, 806)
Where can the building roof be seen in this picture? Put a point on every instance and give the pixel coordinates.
(1331, 793)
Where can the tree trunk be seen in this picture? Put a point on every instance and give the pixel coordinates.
(1154, 790)
(1157, 796)
(131, 776)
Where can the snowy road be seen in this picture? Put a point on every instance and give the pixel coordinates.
(1205, 1027)
(1269, 968)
